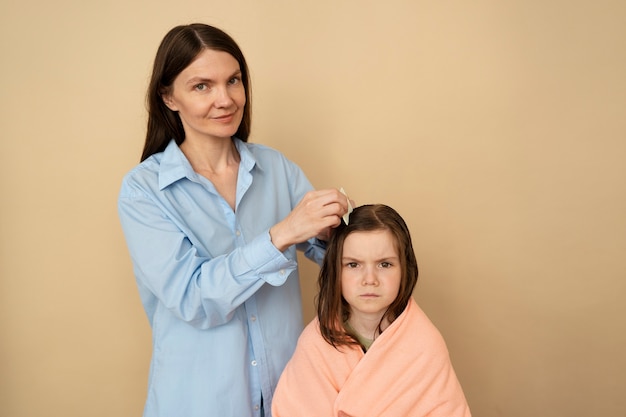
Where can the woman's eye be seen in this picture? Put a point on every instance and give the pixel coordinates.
(201, 87)
(234, 80)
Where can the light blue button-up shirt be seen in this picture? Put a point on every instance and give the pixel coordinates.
(224, 304)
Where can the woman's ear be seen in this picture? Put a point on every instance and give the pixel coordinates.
(168, 100)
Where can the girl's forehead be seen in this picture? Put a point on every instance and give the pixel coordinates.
(370, 243)
(375, 233)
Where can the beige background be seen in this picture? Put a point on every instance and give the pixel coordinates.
(497, 129)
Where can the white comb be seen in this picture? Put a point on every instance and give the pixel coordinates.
(346, 217)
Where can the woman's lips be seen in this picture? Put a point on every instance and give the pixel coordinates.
(227, 118)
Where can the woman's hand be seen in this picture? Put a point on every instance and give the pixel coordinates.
(315, 215)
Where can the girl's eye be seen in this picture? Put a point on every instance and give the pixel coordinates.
(351, 265)
(385, 264)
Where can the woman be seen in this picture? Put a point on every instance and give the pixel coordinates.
(212, 223)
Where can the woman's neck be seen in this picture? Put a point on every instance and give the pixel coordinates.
(211, 157)
(217, 161)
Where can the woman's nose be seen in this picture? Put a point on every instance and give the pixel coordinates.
(223, 98)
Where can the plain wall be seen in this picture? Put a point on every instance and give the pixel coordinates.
(497, 129)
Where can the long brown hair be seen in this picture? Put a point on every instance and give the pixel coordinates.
(332, 309)
(180, 46)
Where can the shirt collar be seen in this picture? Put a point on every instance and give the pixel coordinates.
(248, 160)
(175, 166)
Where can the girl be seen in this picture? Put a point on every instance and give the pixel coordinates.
(371, 351)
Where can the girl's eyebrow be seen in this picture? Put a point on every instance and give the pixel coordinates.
(388, 259)
(384, 258)
(348, 258)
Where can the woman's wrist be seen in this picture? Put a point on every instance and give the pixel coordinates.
(278, 239)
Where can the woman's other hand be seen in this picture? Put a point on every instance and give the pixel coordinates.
(315, 215)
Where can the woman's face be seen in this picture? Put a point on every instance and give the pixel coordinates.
(209, 96)
(370, 273)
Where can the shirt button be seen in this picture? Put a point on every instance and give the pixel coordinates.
(253, 318)
(281, 272)
(237, 232)
(256, 407)
(253, 363)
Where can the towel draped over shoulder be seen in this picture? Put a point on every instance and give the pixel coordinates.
(406, 373)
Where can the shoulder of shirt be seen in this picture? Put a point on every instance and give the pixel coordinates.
(142, 174)
(150, 166)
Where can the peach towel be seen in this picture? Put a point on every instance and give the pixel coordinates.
(405, 373)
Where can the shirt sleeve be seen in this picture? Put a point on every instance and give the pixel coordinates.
(199, 290)
(314, 249)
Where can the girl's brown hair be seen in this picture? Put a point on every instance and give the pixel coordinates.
(332, 309)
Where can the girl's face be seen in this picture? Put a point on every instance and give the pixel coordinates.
(209, 96)
(370, 273)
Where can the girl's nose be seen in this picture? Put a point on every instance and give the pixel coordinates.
(369, 277)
